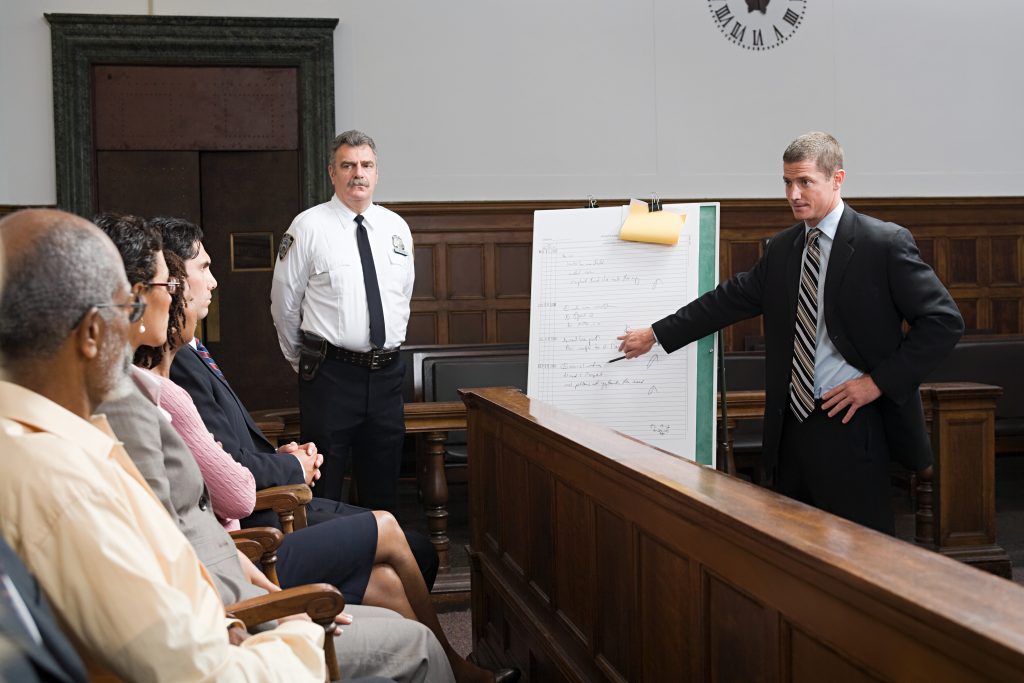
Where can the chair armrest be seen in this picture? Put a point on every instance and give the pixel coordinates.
(260, 545)
(321, 601)
(288, 502)
(267, 537)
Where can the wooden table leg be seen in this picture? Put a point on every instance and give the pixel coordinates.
(435, 494)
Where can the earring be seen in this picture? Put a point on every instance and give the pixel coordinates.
(142, 327)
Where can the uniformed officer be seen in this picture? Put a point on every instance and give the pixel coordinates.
(340, 302)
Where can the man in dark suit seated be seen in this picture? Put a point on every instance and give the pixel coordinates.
(32, 648)
(228, 420)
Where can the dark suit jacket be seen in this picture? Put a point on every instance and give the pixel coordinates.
(21, 658)
(230, 423)
(876, 280)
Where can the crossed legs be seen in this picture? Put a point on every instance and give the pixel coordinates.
(396, 583)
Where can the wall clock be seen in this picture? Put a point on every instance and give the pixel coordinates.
(757, 24)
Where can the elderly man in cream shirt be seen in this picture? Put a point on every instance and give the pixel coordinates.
(122, 579)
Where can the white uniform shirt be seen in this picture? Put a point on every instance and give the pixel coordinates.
(318, 284)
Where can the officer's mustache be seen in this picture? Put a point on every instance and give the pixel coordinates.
(359, 182)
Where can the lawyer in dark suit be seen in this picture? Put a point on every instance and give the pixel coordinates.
(864, 407)
(32, 647)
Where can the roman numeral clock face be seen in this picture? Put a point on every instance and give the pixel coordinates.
(757, 24)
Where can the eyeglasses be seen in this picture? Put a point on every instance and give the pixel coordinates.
(137, 306)
(172, 284)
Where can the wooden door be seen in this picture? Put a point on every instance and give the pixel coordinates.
(218, 146)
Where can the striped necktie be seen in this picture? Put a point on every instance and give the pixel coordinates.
(204, 353)
(801, 384)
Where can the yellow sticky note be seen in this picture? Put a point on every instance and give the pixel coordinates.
(657, 227)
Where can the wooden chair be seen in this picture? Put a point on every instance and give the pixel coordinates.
(289, 502)
(322, 602)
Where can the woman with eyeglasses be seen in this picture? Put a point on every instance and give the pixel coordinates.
(142, 252)
(135, 415)
(232, 487)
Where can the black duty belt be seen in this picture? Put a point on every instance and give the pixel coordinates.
(375, 359)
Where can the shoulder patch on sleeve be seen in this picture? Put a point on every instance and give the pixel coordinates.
(286, 244)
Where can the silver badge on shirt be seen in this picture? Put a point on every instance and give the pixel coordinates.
(399, 246)
(286, 244)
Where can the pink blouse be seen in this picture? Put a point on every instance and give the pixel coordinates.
(231, 485)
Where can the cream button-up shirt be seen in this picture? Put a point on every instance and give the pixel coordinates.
(318, 278)
(123, 581)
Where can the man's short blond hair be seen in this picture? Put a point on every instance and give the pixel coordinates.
(821, 148)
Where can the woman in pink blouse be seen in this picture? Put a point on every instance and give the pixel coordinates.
(232, 487)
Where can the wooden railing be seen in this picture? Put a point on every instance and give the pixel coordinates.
(598, 558)
(959, 521)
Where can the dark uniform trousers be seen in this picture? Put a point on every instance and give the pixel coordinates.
(352, 411)
(839, 468)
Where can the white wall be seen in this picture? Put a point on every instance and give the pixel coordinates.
(481, 99)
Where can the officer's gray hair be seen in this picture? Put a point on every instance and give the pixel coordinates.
(352, 138)
(821, 148)
(50, 286)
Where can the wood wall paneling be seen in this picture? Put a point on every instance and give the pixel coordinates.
(983, 276)
(969, 311)
(467, 327)
(512, 326)
(426, 286)
(512, 270)
(975, 245)
(964, 262)
(1005, 261)
(927, 248)
(1006, 315)
(466, 271)
(422, 328)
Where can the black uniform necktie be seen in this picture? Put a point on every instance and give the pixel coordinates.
(373, 301)
(805, 341)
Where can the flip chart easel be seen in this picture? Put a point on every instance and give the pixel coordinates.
(588, 287)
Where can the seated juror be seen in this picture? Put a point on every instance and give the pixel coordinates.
(375, 641)
(224, 414)
(841, 386)
(120, 576)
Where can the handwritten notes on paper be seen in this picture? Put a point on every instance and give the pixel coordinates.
(589, 287)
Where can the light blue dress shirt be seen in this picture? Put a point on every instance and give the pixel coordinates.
(830, 368)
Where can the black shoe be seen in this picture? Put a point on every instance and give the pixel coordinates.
(506, 676)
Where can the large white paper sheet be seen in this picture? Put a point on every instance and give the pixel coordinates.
(588, 287)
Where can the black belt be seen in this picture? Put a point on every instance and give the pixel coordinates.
(374, 359)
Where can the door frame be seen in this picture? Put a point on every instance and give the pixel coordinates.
(80, 41)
